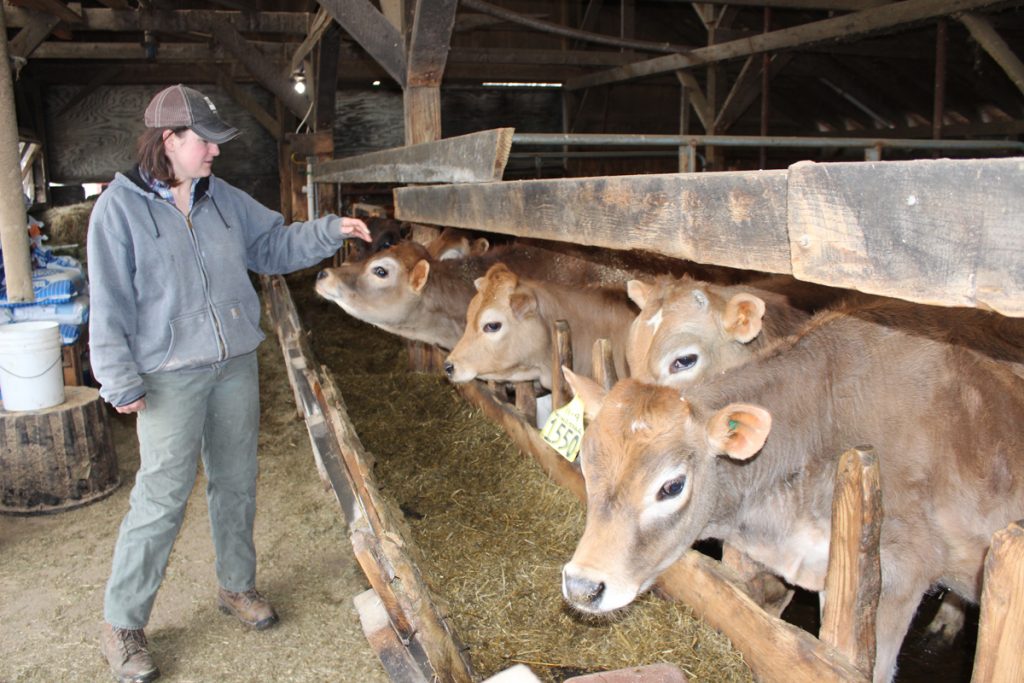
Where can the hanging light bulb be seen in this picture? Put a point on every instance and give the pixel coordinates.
(299, 80)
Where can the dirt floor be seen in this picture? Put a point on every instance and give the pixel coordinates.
(53, 569)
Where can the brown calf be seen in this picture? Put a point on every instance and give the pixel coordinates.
(404, 291)
(751, 457)
(508, 327)
(454, 243)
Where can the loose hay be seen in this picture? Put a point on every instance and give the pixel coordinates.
(491, 532)
(67, 224)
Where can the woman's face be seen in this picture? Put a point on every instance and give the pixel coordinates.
(191, 156)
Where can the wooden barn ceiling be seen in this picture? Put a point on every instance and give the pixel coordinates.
(851, 67)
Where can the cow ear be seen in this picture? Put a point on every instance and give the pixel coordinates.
(479, 283)
(479, 246)
(498, 267)
(638, 292)
(522, 304)
(587, 390)
(743, 317)
(739, 430)
(418, 276)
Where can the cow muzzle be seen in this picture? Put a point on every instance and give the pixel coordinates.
(588, 592)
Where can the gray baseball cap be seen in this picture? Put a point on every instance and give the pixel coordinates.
(180, 106)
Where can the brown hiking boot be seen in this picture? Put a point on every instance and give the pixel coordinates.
(251, 608)
(125, 650)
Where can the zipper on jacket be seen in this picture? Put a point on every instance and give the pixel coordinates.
(222, 351)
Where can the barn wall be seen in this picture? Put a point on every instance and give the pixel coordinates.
(96, 137)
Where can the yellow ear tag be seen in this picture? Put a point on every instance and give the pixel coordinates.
(563, 430)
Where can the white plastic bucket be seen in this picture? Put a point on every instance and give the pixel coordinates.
(31, 372)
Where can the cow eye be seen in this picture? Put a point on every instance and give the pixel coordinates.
(682, 363)
(380, 271)
(491, 327)
(672, 488)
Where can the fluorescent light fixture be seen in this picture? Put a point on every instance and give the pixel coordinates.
(519, 84)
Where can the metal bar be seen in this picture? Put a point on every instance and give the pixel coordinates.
(612, 139)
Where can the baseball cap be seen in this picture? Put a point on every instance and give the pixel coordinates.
(180, 106)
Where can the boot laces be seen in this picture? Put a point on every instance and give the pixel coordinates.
(131, 641)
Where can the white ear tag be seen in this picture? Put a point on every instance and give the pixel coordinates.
(564, 429)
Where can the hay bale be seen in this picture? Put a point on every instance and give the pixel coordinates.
(67, 224)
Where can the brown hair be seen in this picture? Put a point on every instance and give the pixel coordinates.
(152, 158)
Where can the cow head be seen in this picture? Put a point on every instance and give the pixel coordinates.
(505, 337)
(384, 289)
(686, 330)
(453, 243)
(650, 465)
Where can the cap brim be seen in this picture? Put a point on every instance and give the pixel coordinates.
(218, 134)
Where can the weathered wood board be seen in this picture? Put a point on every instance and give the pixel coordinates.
(933, 231)
(735, 219)
(96, 137)
(998, 658)
(473, 158)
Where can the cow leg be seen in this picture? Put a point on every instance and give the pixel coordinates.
(948, 621)
(896, 607)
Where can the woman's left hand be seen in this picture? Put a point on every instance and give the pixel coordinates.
(355, 227)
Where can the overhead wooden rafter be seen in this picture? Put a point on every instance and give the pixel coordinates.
(373, 32)
(264, 71)
(983, 32)
(54, 8)
(842, 27)
(747, 88)
(32, 34)
(177, 21)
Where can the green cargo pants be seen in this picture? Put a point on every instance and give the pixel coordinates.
(212, 411)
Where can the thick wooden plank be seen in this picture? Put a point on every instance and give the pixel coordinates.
(933, 231)
(53, 7)
(474, 158)
(373, 32)
(33, 34)
(735, 219)
(983, 32)
(421, 106)
(1001, 629)
(561, 356)
(854, 569)
(176, 21)
(393, 655)
(840, 27)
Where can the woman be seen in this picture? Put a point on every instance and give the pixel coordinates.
(173, 333)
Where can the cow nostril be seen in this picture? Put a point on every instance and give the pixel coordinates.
(582, 590)
(321, 275)
(596, 593)
(449, 368)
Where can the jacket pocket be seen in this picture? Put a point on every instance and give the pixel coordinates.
(193, 342)
(240, 334)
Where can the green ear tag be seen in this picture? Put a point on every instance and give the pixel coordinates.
(732, 425)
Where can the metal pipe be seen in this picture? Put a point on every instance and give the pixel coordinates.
(633, 140)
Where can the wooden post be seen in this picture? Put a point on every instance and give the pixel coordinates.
(854, 570)
(561, 352)
(526, 401)
(13, 227)
(604, 363)
(997, 658)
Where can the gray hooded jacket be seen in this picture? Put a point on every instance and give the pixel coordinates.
(172, 292)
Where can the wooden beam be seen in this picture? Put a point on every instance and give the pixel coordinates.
(473, 158)
(115, 4)
(246, 101)
(274, 53)
(428, 44)
(735, 219)
(936, 232)
(264, 71)
(321, 21)
(54, 8)
(1001, 627)
(997, 48)
(32, 34)
(325, 82)
(829, 5)
(747, 88)
(373, 32)
(421, 108)
(176, 21)
(697, 99)
(836, 28)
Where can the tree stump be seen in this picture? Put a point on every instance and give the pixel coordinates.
(57, 458)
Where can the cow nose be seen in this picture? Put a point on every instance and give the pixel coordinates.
(321, 275)
(449, 368)
(581, 590)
